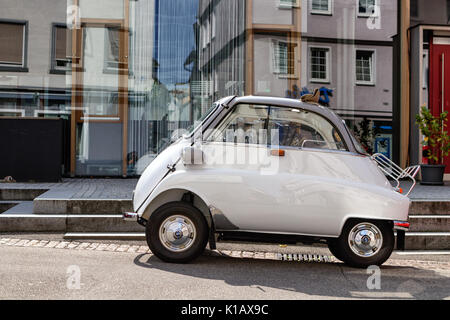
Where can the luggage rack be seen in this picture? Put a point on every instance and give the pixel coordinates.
(392, 170)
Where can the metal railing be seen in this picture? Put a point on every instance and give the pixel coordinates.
(392, 170)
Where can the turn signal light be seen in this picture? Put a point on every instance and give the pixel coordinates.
(277, 152)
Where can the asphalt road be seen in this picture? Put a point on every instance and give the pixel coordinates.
(49, 273)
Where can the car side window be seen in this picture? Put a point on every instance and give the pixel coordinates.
(244, 124)
(303, 129)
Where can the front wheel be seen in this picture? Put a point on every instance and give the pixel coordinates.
(365, 243)
(177, 232)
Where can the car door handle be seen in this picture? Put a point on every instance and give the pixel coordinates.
(277, 152)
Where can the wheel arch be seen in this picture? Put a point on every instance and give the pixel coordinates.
(179, 194)
(349, 219)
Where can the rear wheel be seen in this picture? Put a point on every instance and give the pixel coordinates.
(365, 243)
(177, 232)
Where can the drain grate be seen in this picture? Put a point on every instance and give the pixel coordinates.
(305, 257)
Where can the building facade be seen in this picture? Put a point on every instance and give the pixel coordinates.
(127, 76)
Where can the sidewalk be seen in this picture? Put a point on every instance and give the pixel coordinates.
(90, 189)
(80, 188)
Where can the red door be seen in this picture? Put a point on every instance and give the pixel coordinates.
(439, 94)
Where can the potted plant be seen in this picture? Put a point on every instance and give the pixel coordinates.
(436, 145)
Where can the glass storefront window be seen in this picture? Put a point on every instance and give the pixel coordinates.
(127, 76)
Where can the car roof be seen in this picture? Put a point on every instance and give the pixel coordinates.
(288, 103)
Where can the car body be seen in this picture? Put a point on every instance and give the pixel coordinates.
(271, 169)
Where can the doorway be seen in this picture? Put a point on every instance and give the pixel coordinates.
(439, 93)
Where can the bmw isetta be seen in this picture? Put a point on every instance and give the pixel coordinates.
(269, 169)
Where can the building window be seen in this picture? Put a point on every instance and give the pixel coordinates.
(213, 25)
(282, 58)
(61, 49)
(321, 7)
(365, 67)
(112, 48)
(288, 4)
(367, 8)
(319, 64)
(13, 55)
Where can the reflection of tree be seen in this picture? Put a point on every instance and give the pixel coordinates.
(366, 133)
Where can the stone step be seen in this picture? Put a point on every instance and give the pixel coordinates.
(430, 207)
(429, 223)
(23, 194)
(31, 222)
(427, 240)
(81, 206)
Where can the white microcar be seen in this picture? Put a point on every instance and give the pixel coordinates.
(270, 170)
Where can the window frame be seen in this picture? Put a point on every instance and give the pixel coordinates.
(372, 82)
(367, 15)
(267, 121)
(329, 12)
(24, 66)
(285, 5)
(328, 64)
(53, 68)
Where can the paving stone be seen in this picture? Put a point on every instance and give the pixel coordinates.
(12, 242)
(133, 248)
(21, 243)
(52, 244)
(62, 244)
(236, 254)
(123, 248)
(101, 247)
(93, 246)
(143, 249)
(83, 246)
(73, 245)
(31, 243)
(41, 243)
(112, 247)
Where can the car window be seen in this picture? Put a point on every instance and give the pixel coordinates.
(303, 129)
(245, 124)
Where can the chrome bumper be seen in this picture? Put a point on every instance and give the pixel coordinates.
(130, 216)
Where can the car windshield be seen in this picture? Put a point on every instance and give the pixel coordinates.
(192, 128)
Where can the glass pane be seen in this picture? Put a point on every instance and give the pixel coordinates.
(297, 128)
(246, 124)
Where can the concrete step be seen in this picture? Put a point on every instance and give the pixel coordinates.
(23, 194)
(427, 240)
(31, 222)
(81, 206)
(6, 205)
(430, 207)
(429, 223)
(105, 236)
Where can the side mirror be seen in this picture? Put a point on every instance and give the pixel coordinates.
(192, 155)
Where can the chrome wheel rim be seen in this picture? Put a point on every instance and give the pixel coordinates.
(177, 233)
(365, 239)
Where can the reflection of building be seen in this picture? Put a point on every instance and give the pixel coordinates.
(348, 49)
(125, 75)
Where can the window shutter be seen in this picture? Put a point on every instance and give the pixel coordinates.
(11, 38)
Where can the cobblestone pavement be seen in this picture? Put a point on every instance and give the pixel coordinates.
(289, 257)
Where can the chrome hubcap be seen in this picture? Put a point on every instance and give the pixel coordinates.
(177, 233)
(365, 239)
